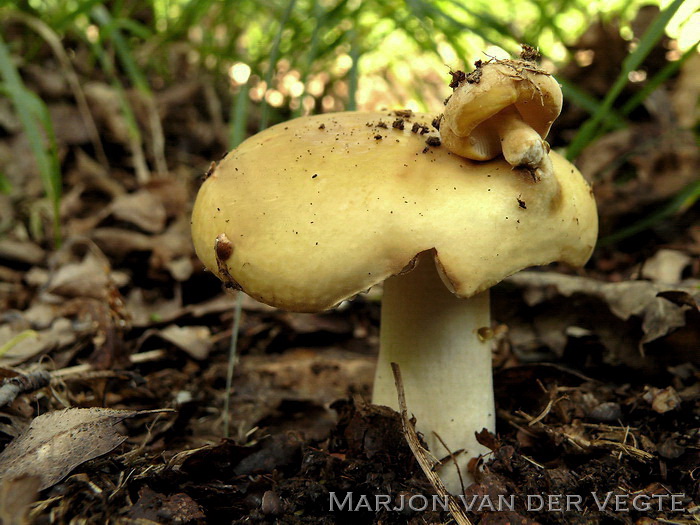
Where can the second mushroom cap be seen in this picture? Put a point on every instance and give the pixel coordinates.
(493, 92)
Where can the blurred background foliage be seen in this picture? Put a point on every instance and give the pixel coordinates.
(256, 63)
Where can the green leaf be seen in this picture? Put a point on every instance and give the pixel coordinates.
(36, 122)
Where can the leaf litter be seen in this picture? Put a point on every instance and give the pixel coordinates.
(57, 442)
(597, 374)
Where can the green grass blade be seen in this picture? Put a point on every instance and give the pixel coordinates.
(589, 103)
(274, 54)
(36, 122)
(111, 31)
(320, 17)
(5, 186)
(668, 70)
(591, 127)
(67, 19)
(54, 42)
(354, 72)
(143, 174)
(239, 120)
(683, 200)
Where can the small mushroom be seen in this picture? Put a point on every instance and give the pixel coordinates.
(504, 106)
(315, 216)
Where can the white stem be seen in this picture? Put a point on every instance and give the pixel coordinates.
(446, 367)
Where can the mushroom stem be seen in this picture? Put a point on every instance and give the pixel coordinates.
(521, 145)
(446, 367)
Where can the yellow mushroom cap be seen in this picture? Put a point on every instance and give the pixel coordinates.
(470, 122)
(315, 210)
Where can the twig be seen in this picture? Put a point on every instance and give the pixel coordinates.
(14, 386)
(530, 460)
(451, 456)
(422, 455)
(143, 357)
(31, 381)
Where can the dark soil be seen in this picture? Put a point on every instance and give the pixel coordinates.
(597, 379)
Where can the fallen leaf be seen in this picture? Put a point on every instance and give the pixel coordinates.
(269, 387)
(666, 266)
(153, 507)
(87, 278)
(69, 125)
(61, 333)
(118, 243)
(194, 340)
(662, 400)
(21, 251)
(105, 108)
(16, 496)
(57, 442)
(624, 299)
(142, 209)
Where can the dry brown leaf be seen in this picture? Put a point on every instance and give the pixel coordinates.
(21, 251)
(264, 384)
(153, 507)
(105, 107)
(142, 209)
(625, 299)
(57, 442)
(173, 250)
(145, 312)
(117, 242)
(194, 340)
(666, 266)
(61, 333)
(172, 193)
(662, 400)
(69, 126)
(87, 278)
(16, 497)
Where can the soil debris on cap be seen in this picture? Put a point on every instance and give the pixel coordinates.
(211, 169)
(433, 141)
(530, 54)
(398, 124)
(419, 128)
(474, 77)
(403, 113)
(458, 77)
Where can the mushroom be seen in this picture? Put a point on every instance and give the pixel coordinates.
(311, 212)
(503, 107)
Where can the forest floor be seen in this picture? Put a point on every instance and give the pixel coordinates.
(597, 371)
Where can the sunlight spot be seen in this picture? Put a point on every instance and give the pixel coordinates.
(239, 73)
(93, 33)
(584, 57)
(637, 76)
(274, 98)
